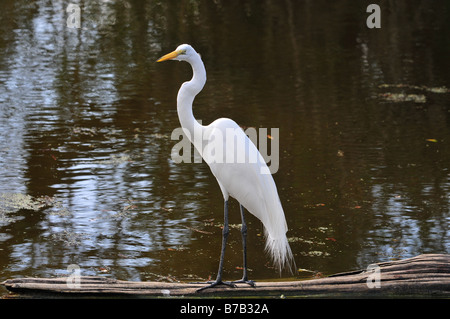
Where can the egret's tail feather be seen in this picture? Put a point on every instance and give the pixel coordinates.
(281, 253)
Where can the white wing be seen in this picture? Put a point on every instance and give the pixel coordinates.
(243, 174)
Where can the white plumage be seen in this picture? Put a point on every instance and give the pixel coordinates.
(236, 163)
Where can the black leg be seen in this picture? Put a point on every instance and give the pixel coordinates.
(225, 233)
(244, 248)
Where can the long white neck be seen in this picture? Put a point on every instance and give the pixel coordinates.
(186, 96)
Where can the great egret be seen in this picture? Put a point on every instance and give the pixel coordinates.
(248, 181)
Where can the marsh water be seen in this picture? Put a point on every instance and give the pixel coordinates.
(86, 116)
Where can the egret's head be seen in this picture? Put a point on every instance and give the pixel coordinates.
(183, 52)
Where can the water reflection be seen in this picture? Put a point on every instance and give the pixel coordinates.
(86, 117)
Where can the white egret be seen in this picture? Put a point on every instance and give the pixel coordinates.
(248, 181)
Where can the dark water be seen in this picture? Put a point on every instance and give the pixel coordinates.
(86, 115)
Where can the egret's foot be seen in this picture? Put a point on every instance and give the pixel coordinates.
(245, 281)
(215, 283)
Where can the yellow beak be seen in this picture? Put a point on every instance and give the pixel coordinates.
(169, 56)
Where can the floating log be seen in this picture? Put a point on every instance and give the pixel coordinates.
(424, 275)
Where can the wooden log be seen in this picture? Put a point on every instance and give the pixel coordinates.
(423, 275)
